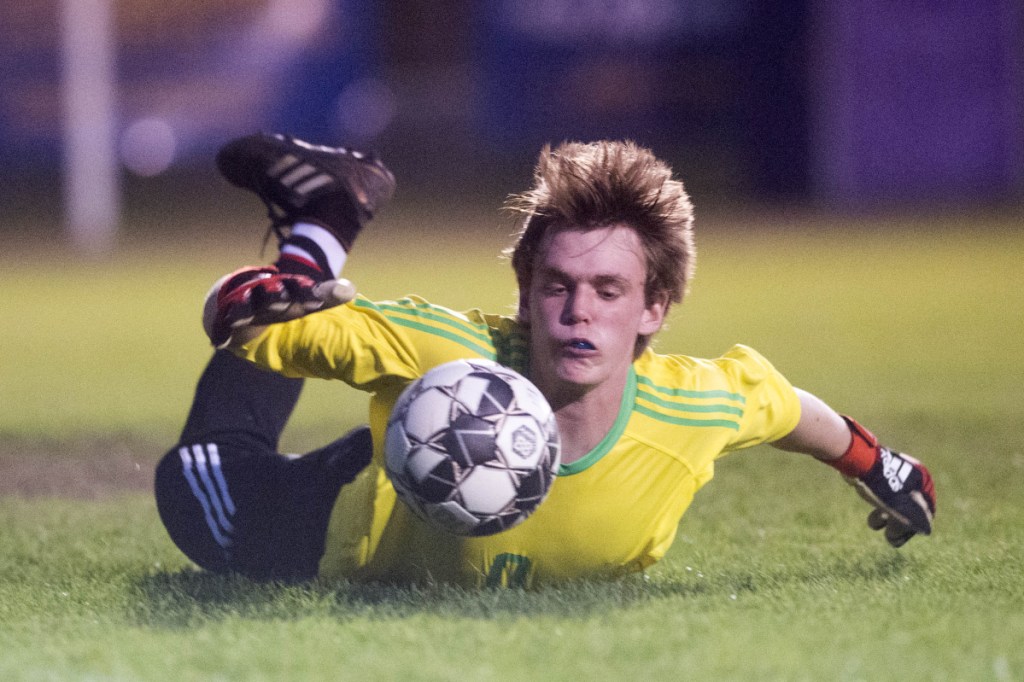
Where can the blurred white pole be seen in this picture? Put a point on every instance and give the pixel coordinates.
(91, 184)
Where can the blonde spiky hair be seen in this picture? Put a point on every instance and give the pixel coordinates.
(591, 185)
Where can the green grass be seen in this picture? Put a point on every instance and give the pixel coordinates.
(915, 329)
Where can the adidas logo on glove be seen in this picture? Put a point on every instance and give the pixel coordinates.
(895, 469)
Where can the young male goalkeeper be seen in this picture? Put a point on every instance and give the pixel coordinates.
(605, 249)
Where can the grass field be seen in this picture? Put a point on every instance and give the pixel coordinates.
(915, 327)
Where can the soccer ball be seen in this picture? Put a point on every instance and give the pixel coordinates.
(472, 447)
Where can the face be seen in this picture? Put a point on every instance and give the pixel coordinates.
(585, 307)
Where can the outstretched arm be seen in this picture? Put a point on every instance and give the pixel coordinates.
(821, 432)
(897, 485)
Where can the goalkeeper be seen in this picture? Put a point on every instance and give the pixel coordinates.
(604, 251)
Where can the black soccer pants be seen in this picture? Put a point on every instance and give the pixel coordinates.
(228, 499)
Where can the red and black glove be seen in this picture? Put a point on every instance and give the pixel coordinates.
(255, 296)
(900, 487)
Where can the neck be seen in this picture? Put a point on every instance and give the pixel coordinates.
(584, 421)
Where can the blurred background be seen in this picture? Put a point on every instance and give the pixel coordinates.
(845, 106)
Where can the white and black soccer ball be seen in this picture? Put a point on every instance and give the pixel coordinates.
(472, 447)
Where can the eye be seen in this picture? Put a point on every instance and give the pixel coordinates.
(609, 294)
(554, 289)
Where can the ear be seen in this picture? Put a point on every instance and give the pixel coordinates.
(654, 315)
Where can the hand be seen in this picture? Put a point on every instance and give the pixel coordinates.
(903, 494)
(256, 296)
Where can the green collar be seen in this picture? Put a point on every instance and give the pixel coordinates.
(613, 435)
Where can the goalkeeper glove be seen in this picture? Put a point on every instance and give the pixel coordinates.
(897, 485)
(254, 296)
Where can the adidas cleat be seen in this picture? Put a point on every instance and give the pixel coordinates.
(291, 177)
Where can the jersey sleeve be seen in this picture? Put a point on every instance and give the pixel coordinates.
(371, 345)
(771, 407)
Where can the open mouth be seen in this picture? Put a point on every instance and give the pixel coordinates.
(581, 344)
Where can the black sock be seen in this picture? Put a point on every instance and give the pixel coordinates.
(339, 217)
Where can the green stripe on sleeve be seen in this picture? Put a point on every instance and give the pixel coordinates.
(435, 321)
(486, 352)
(683, 393)
(680, 406)
(686, 421)
(442, 316)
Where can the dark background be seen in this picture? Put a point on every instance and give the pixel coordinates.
(846, 106)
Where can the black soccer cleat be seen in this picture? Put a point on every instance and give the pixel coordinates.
(302, 181)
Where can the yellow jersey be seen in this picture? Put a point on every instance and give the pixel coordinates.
(612, 512)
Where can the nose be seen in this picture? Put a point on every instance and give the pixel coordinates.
(577, 309)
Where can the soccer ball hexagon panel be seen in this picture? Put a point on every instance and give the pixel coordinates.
(472, 447)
